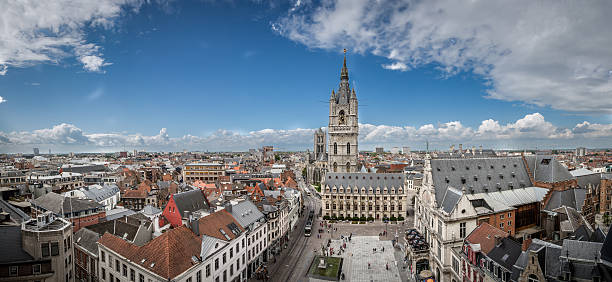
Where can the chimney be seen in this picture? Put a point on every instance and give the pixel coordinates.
(194, 225)
(526, 243)
(498, 240)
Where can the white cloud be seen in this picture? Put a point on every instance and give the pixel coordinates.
(2, 100)
(547, 53)
(526, 131)
(33, 32)
(396, 66)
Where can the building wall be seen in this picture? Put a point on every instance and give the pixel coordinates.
(172, 214)
(62, 263)
(375, 202)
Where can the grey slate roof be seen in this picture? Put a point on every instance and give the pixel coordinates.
(506, 253)
(479, 174)
(118, 213)
(12, 249)
(119, 228)
(208, 244)
(150, 210)
(583, 250)
(54, 202)
(547, 169)
(246, 213)
(606, 248)
(100, 193)
(87, 239)
(16, 214)
(191, 201)
(365, 180)
(450, 200)
(570, 198)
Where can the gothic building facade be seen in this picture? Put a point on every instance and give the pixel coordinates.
(343, 126)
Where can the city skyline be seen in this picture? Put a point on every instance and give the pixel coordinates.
(111, 76)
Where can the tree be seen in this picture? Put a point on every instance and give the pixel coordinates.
(304, 173)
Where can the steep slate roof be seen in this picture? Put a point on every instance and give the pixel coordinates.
(54, 202)
(574, 218)
(87, 239)
(100, 193)
(506, 253)
(583, 250)
(167, 255)
(479, 174)
(150, 210)
(571, 198)
(246, 213)
(12, 249)
(484, 235)
(16, 214)
(364, 180)
(606, 248)
(547, 171)
(212, 225)
(120, 228)
(191, 201)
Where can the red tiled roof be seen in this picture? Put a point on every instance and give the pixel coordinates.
(485, 236)
(210, 225)
(167, 255)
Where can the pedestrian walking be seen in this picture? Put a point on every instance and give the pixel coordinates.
(387, 266)
(368, 265)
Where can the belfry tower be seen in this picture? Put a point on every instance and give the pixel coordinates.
(343, 126)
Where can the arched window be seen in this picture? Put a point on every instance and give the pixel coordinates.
(341, 118)
(335, 148)
(348, 167)
(335, 167)
(348, 148)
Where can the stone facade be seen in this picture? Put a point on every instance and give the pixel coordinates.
(370, 195)
(343, 127)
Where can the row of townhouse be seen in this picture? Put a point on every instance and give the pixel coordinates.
(489, 254)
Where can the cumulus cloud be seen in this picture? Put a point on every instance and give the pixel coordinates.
(33, 32)
(2, 100)
(546, 53)
(526, 130)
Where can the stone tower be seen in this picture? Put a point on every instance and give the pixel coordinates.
(343, 127)
(319, 144)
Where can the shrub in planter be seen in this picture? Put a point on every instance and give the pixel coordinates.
(356, 218)
(370, 218)
(400, 218)
(341, 217)
(333, 217)
(393, 218)
(326, 217)
(363, 218)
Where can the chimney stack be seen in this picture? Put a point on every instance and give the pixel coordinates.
(526, 243)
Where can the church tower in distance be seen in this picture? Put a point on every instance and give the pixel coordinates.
(343, 127)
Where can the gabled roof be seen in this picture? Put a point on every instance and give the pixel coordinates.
(606, 248)
(167, 255)
(506, 253)
(246, 213)
(583, 250)
(485, 235)
(364, 180)
(221, 225)
(478, 175)
(87, 239)
(100, 193)
(59, 204)
(11, 245)
(547, 169)
(191, 201)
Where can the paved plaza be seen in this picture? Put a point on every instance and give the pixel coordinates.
(360, 252)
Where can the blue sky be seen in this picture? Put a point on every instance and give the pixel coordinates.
(234, 75)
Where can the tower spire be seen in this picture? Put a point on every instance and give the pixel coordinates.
(344, 72)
